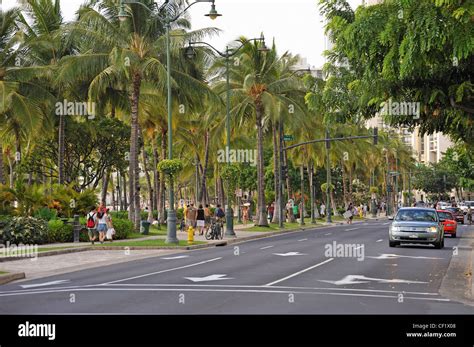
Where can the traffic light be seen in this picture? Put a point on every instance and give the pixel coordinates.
(376, 136)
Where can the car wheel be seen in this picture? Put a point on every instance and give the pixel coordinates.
(393, 243)
(438, 245)
(453, 235)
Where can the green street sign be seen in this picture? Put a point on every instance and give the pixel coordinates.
(288, 137)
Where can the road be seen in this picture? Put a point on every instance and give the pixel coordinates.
(291, 273)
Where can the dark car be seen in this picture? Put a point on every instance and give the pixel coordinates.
(457, 212)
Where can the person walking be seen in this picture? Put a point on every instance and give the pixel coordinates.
(102, 224)
(245, 215)
(207, 216)
(191, 214)
(271, 211)
(350, 213)
(200, 219)
(323, 210)
(110, 226)
(91, 224)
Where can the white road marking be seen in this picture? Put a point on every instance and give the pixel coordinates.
(327, 234)
(379, 240)
(216, 277)
(358, 279)
(162, 271)
(299, 272)
(387, 223)
(266, 247)
(302, 240)
(43, 284)
(289, 254)
(395, 256)
(178, 257)
(351, 229)
(269, 290)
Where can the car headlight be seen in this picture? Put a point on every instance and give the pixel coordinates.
(395, 229)
(432, 229)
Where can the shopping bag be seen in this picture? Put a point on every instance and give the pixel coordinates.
(347, 214)
(110, 233)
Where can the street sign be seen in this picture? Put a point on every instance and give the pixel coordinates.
(288, 137)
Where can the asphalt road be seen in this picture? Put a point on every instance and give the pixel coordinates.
(292, 273)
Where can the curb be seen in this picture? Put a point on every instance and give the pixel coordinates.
(4, 279)
(48, 253)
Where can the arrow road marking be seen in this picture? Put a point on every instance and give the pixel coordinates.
(302, 240)
(266, 247)
(386, 223)
(395, 256)
(357, 279)
(177, 257)
(43, 284)
(209, 278)
(351, 229)
(327, 234)
(299, 272)
(289, 254)
(379, 240)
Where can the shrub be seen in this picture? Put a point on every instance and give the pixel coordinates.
(58, 231)
(180, 213)
(123, 228)
(119, 214)
(46, 214)
(25, 230)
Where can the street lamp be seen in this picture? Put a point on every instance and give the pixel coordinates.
(191, 54)
(123, 15)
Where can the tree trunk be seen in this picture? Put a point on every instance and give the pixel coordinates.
(333, 203)
(114, 201)
(262, 209)
(134, 178)
(2, 172)
(203, 191)
(150, 187)
(62, 148)
(125, 195)
(10, 165)
(156, 176)
(350, 185)
(276, 168)
(119, 191)
(105, 187)
(161, 202)
(344, 185)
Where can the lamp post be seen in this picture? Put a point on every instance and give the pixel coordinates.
(191, 54)
(123, 15)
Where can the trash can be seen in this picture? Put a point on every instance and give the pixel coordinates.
(145, 227)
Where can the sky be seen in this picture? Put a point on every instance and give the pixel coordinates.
(295, 25)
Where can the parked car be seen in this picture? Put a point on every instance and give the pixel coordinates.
(417, 225)
(444, 205)
(457, 213)
(449, 222)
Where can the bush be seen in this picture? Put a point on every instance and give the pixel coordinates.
(25, 230)
(58, 231)
(46, 214)
(123, 228)
(119, 214)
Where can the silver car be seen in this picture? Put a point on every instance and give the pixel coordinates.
(417, 225)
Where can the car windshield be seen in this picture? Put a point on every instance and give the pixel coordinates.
(453, 209)
(416, 216)
(445, 215)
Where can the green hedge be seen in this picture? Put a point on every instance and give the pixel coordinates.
(25, 230)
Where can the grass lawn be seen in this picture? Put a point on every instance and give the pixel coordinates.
(147, 243)
(3, 272)
(154, 231)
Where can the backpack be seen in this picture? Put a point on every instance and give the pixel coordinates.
(90, 221)
(220, 213)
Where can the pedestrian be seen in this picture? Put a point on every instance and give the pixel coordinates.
(271, 211)
(110, 226)
(323, 210)
(361, 211)
(102, 224)
(364, 208)
(91, 224)
(191, 214)
(207, 216)
(295, 211)
(200, 219)
(245, 215)
(349, 213)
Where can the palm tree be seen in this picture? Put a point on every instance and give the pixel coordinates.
(257, 88)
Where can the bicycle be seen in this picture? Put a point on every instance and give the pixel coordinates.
(216, 230)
